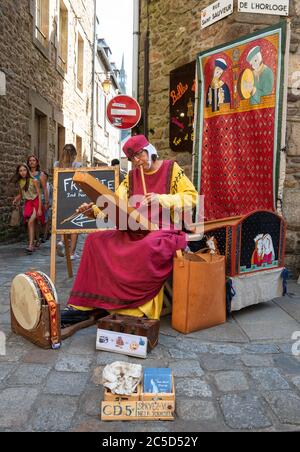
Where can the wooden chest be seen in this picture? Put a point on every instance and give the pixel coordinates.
(132, 325)
(252, 243)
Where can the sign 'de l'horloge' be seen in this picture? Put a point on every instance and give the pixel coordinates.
(275, 7)
(216, 12)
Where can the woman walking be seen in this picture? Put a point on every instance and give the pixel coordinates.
(30, 192)
(41, 177)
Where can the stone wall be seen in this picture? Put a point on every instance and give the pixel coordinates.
(36, 85)
(175, 39)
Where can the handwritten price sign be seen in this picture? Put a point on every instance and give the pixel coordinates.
(115, 411)
(182, 101)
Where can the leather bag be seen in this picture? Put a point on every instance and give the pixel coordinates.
(15, 218)
(199, 292)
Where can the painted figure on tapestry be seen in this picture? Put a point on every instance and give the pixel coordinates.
(262, 81)
(264, 250)
(218, 91)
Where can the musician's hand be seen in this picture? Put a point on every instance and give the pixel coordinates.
(150, 198)
(84, 208)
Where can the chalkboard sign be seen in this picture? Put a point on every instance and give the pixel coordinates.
(67, 197)
(182, 105)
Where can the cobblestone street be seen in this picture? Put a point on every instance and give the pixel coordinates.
(240, 376)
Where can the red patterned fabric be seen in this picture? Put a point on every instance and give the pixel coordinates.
(237, 163)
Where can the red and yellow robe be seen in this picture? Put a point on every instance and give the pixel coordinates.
(172, 186)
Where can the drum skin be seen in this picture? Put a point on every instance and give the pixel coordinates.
(246, 77)
(26, 302)
(36, 317)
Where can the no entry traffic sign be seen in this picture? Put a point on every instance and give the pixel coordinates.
(123, 112)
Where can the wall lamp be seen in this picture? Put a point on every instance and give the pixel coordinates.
(106, 84)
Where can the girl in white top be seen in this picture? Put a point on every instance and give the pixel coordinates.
(67, 161)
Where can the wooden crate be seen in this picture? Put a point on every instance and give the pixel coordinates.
(110, 397)
(139, 407)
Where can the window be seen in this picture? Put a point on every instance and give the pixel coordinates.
(42, 21)
(63, 37)
(40, 139)
(79, 148)
(61, 140)
(80, 58)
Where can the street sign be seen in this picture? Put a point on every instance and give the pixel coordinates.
(273, 7)
(216, 12)
(123, 112)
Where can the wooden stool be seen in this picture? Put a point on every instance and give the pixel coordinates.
(168, 298)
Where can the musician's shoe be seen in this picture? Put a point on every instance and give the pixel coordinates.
(71, 316)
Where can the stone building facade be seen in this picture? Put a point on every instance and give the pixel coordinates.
(46, 61)
(175, 39)
(46, 49)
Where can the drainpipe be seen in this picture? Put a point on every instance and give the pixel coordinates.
(136, 37)
(93, 83)
(146, 72)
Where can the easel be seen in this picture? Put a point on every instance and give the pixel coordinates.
(57, 231)
(53, 256)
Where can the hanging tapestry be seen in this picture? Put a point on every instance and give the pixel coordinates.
(239, 116)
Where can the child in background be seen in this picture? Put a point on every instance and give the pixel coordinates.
(30, 192)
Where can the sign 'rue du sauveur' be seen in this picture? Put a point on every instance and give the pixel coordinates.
(275, 7)
(216, 12)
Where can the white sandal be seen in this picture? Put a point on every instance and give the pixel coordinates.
(60, 249)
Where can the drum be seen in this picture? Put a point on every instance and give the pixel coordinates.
(35, 309)
(246, 84)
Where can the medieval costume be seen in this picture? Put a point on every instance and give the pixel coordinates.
(218, 91)
(263, 76)
(124, 271)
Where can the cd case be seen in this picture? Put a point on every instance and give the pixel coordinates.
(158, 381)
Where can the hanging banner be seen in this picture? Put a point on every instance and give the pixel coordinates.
(215, 12)
(238, 124)
(182, 103)
(273, 7)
